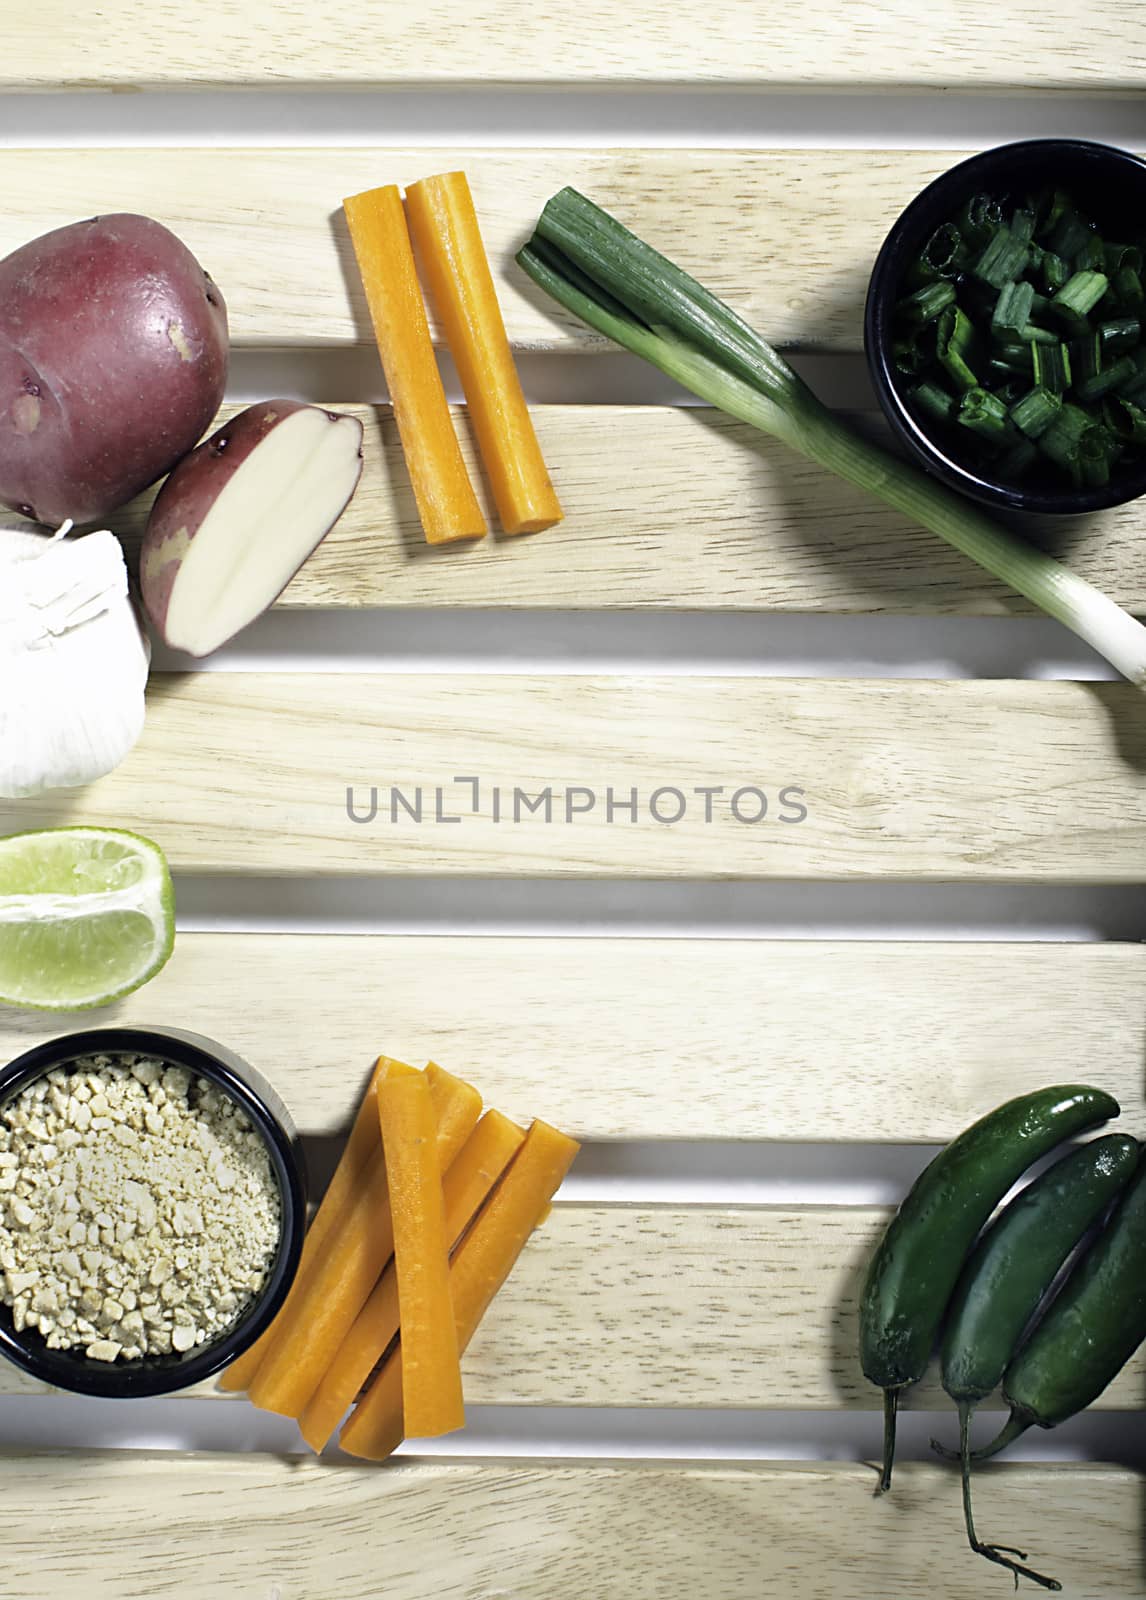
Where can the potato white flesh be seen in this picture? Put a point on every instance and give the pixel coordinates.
(272, 511)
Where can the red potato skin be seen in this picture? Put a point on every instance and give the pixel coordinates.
(193, 488)
(113, 362)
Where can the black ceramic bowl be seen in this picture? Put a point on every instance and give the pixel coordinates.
(1109, 185)
(162, 1374)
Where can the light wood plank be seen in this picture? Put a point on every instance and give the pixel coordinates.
(127, 43)
(985, 782)
(672, 509)
(793, 1041)
(268, 225)
(676, 1306)
(126, 1527)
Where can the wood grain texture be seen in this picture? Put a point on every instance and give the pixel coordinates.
(130, 43)
(132, 1527)
(675, 1306)
(801, 1041)
(268, 223)
(934, 780)
(673, 509)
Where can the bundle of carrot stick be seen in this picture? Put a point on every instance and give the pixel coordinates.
(427, 1212)
(440, 220)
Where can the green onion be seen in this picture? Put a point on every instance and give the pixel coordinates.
(1012, 358)
(979, 218)
(935, 401)
(1128, 289)
(1085, 356)
(1117, 256)
(1096, 449)
(1094, 387)
(926, 303)
(1023, 225)
(1121, 333)
(623, 288)
(1125, 419)
(1003, 259)
(984, 413)
(956, 335)
(1051, 366)
(1092, 256)
(1081, 293)
(1069, 234)
(1012, 309)
(1035, 412)
(1054, 270)
(943, 256)
(1018, 461)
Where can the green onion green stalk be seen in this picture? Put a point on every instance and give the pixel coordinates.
(619, 285)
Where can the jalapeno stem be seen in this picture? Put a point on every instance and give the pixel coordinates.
(890, 1410)
(1000, 1554)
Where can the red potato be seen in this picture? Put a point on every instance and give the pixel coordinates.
(239, 516)
(113, 360)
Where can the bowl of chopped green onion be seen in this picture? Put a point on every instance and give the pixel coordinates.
(1005, 326)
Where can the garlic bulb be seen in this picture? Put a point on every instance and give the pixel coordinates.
(73, 661)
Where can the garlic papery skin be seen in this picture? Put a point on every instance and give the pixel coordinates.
(73, 661)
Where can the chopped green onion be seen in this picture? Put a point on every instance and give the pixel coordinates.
(1092, 256)
(626, 290)
(1117, 256)
(1051, 366)
(1023, 225)
(1081, 293)
(1120, 333)
(1126, 419)
(1085, 356)
(1012, 358)
(1061, 440)
(1054, 270)
(1017, 462)
(979, 218)
(956, 334)
(1035, 412)
(1094, 387)
(935, 401)
(1034, 335)
(1096, 449)
(1003, 259)
(984, 413)
(1012, 309)
(1069, 234)
(943, 256)
(1128, 289)
(926, 303)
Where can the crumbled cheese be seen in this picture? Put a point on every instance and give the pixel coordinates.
(138, 1210)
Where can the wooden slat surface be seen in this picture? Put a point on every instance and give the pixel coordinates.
(741, 1039)
(675, 1306)
(145, 43)
(267, 224)
(675, 509)
(935, 780)
(132, 1527)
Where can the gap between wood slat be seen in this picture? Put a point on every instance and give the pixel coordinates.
(657, 117)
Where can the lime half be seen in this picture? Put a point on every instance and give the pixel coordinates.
(86, 916)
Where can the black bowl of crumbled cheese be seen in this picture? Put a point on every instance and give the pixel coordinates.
(152, 1210)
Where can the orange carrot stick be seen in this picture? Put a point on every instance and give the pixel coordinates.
(445, 230)
(486, 1154)
(445, 496)
(364, 1143)
(481, 1264)
(431, 1372)
(353, 1258)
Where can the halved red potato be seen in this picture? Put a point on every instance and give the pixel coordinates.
(239, 516)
